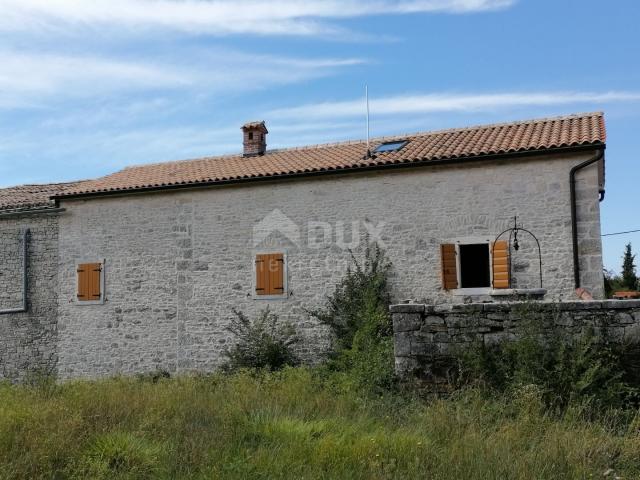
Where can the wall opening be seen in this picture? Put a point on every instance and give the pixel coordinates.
(474, 266)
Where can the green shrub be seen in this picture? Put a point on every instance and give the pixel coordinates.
(119, 456)
(261, 343)
(565, 367)
(363, 289)
(358, 314)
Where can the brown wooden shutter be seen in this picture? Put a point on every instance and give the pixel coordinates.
(276, 274)
(500, 252)
(270, 274)
(449, 269)
(83, 283)
(262, 274)
(94, 273)
(89, 278)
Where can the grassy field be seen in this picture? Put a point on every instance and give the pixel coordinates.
(297, 424)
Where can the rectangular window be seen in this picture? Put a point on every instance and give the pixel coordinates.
(90, 282)
(474, 266)
(270, 274)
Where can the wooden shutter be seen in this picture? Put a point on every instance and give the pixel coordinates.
(89, 282)
(83, 286)
(262, 274)
(449, 269)
(500, 256)
(276, 274)
(270, 274)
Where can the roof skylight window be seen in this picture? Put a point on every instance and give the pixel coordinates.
(390, 146)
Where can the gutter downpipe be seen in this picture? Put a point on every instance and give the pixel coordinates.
(574, 220)
(25, 284)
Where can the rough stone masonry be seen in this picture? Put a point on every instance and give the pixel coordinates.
(28, 340)
(176, 263)
(427, 338)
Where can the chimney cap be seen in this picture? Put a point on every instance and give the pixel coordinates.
(260, 125)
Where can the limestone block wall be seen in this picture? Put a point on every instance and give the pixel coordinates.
(428, 337)
(28, 340)
(176, 263)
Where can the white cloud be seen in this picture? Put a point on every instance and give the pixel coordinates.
(219, 17)
(32, 79)
(432, 103)
(46, 74)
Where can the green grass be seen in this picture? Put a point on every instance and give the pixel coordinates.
(298, 424)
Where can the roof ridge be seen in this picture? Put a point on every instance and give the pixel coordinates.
(384, 138)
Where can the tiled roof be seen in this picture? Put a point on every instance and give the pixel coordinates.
(27, 197)
(532, 135)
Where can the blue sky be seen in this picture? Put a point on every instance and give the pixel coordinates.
(90, 86)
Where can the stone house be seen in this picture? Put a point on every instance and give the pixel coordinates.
(139, 270)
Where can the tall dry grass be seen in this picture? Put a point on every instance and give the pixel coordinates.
(298, 424)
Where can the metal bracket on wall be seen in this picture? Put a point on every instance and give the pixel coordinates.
(25, 282)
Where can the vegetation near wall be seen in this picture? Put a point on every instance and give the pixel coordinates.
(529, 408)
(566, 368)
(357, 313)
(297, 424)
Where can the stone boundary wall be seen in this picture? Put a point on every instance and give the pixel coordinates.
(427, 337)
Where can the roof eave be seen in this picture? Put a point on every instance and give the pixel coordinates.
(35, 210)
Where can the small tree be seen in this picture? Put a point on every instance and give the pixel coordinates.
(362, 293)
(358, 314)
(629, 277)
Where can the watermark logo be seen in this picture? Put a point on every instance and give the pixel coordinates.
(319, 234)
(273, 224)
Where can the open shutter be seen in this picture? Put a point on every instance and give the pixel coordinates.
(500, 259)
(276, 274)
(262, 275)
(83, 282)
(449, 269)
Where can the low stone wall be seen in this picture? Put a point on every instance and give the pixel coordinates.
(427, 337)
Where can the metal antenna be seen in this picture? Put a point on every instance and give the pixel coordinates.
(366, 94)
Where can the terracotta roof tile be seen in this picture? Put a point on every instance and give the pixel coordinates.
(540, 134)
(27, 197)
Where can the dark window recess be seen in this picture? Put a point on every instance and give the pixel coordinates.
(474, 266)
(250, 135)
(390, 146)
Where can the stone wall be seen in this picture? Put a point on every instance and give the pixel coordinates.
(176, 263)
(428, 337)
(28, 339)
(11, 268)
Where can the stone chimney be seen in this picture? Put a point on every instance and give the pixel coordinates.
(254, 139)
